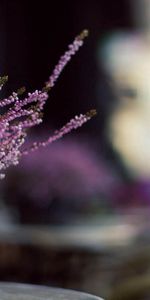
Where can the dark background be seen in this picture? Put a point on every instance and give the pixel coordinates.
(33, 35)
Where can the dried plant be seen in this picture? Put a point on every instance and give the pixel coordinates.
(25, 113)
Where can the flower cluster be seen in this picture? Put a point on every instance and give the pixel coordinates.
(25, 113)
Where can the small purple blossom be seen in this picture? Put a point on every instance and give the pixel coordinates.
(26, 112)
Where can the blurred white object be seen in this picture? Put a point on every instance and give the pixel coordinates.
(126, 58)
(16, 291)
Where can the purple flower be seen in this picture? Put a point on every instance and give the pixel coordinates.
(22, 115)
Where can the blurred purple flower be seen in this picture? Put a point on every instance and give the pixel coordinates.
(131, 195)
(70, 170)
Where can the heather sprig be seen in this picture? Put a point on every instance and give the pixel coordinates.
(74, 123)
(24, 113)
(64, 59)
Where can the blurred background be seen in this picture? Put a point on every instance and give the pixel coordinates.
(76, 214)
